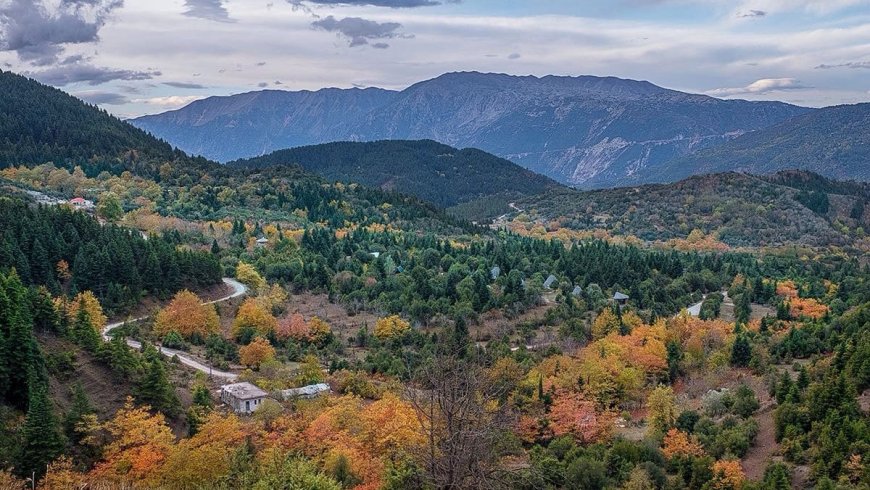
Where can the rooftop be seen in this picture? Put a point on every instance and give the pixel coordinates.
(617, 295)
(244, 391)
(306, 390)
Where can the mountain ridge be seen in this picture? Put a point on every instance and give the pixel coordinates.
(586, 131)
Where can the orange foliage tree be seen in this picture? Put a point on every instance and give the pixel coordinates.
(727, 475)
(573, 415)
(679, 444)
(140, 443)
(187, 315)
(292, 327)
(256, 353)
(252, 315)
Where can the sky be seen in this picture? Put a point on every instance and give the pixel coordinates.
(134, 57)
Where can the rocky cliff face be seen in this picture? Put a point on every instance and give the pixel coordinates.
(585, 131)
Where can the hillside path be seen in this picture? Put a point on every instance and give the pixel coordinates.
(239, 289)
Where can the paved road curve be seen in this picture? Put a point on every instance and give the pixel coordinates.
(239, 289)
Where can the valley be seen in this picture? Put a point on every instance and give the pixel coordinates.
(406, 314)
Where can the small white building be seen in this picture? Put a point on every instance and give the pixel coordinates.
(310, 391)
(262, 241)
(244, 398)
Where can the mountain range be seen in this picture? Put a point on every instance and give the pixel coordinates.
(584, 131)
(833, 141)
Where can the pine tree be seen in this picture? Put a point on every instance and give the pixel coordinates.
(215, 249)
(81, 407)
(42, 441)
(154, 387)
(741, 351)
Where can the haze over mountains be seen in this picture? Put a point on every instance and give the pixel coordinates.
(585, 131)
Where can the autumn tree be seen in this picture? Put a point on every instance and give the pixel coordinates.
(109, 207)
(256, 353)
(391, 326)
(139, 443)
(88, 302)
(679, 444)
(606, 322)
(248, 275)
(575, 416)
(727, 475)
(253, 318)
(187, 315)
(662, 407)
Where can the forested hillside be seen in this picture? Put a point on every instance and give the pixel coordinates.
(453, 356)
(69, 251)
(431, 171)
(796, 208)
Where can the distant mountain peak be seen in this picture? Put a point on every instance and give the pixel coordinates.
(586, 131)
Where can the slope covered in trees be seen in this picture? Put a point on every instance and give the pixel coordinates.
(40, 124)
(70, 251)
(431, 171)
(795, 208)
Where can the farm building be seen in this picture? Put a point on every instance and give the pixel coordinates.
(310, 391)
(244, 398)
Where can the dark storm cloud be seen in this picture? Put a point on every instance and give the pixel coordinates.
(63, 75)
(37, 30)
(207, 9)
(108, 98)
(184, 85)
(360, 31)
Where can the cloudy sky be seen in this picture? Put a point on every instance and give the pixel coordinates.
(134, 57)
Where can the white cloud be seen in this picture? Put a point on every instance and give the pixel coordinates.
(169, 101)
(763, 86)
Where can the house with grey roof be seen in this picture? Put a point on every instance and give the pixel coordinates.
(551, 280)
(620, 298)
(495, 272)
(244, 398)
(306, 392)
(577, 291)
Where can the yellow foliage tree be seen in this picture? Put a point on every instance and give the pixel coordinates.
(202, 460)
(187, 315)
(140, 443)
(91, 305)
(662, 407)
(253, 315)
(727, 475)
(318, 329)
(256, 353)
(605, 323)
(391, 326)
(247, 274)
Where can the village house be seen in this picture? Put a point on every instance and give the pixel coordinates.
(244, 398)
(550, 281)
(306, 392)
(81, 204)
(262, 241)
(620, 298)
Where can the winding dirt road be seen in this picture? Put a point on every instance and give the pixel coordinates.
(239, 289)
